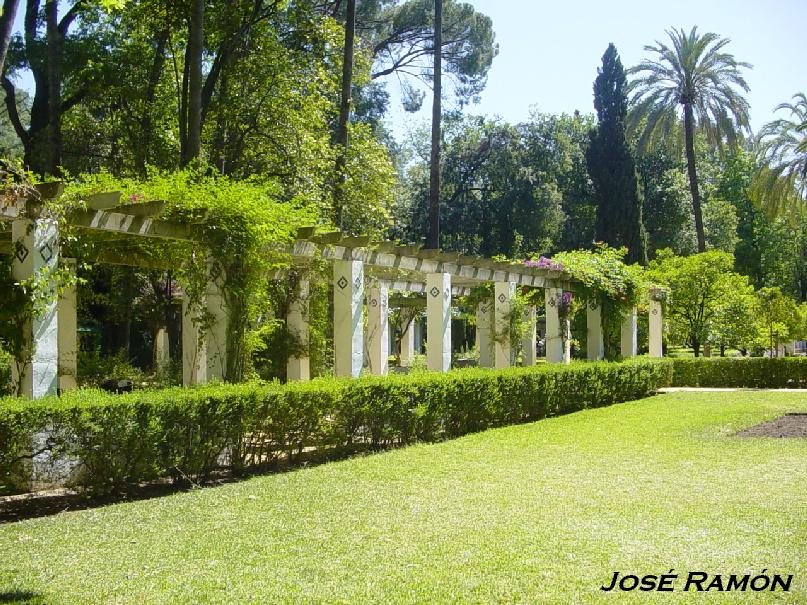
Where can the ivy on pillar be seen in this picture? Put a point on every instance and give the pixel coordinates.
(438, 321)
(298, 366)
(529, 340)
(348, 296)
(503, 293)
(629, 335)
(554, 332)
(67, 319)
(595, 343)
(656, 327)
(378, 329)
(204, 333)
(407, 337)
(36, 257)
(484, 340)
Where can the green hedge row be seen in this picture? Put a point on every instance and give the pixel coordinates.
(751, 372)
(107, 441)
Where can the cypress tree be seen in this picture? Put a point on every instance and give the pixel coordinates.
(611, 166)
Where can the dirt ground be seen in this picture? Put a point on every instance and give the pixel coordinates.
(789, 425)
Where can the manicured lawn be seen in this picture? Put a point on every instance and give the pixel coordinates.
(538, 513)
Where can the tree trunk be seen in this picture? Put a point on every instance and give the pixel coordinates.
(344, 115)
(143, 151)
(689, 135)
(433, 239)
(6, 26)
(194, 58)
(54, 154)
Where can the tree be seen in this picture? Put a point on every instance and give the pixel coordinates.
(697, 76)
(611, 166)
(781, 183)
(780, 318)
(344, 112)
(191, 112)
(433, 238)
(6, 26)
(701, 286)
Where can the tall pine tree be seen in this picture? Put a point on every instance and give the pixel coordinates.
(611, 167)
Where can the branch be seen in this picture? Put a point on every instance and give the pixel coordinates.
(69, 17)
(13, 114)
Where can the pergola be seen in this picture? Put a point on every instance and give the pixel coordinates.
(364, 275)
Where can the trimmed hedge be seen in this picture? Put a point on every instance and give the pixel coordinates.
(108, 441)
(751, 372)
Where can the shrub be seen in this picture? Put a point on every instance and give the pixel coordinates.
(119, 440)
(753, 372)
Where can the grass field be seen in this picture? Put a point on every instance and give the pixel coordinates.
(538, 513)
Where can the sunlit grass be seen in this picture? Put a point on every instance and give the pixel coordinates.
(538, 513)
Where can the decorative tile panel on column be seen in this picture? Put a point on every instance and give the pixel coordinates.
(554, 334)
(36, 255)
(438, 321)
(298, 366)
(503, 293)
(194, 346)
(348, 298)
(218, 331)
(484, 336)
(595, 345)
(629, 335)
(378, 329)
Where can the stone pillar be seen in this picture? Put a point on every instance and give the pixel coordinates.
(656, 329)
(204, 350)
(629, 335)
(162, 349)
(595, 343)
(348, 338)
(407, 338)
(484, 340)
(529, 340)
(298, 365)
(36, 255)
(503, 293)
(67, 318)
(438, 321)
(555, 341)
(378, 329)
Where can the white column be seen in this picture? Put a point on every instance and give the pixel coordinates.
(503, 293)
(378, 329)
(529, 340)
(407, 337)
(162, 349)
(68, 331)
(438, 321)
(194, 346)
(298, 366)
(204, 347)
(36, 255)
(348, 296)
(595, 344)
(656, 328)
(629, 335)
(484, 340)
(554, 331)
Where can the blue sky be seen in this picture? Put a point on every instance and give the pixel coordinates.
(549, 51)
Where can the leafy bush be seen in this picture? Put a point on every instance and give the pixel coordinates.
(193, 432)
(753, 372)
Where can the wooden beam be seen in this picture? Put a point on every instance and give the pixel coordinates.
(151, 208)
(133, 225)
(103, 201)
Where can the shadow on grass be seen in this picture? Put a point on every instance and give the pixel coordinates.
(47, 503)
(19, 597)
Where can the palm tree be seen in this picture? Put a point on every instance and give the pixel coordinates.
(693, 75)
(781, 183)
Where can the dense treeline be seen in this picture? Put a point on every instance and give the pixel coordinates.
(291, 96)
